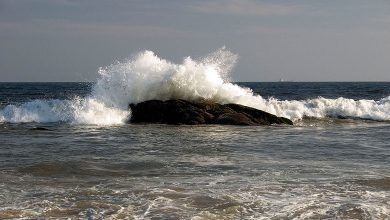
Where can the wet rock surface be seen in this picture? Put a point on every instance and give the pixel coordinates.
(193, 113)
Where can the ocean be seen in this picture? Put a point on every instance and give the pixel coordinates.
(67, 153)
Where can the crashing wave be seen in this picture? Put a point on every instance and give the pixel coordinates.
(146, 76)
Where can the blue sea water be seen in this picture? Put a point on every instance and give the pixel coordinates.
(333, 166)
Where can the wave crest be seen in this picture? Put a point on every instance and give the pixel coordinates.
(147, 77)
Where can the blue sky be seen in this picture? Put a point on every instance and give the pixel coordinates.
(303, 40)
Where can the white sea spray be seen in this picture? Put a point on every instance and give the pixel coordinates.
(146, 76)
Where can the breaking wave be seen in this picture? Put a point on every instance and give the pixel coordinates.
(146, 76)
(77, 111)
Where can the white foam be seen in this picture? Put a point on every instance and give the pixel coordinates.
(93, 111)
(77, 111)
(322, 107)
(37, 110)
(146, 76)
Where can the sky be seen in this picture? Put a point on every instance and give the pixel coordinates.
(301, 40)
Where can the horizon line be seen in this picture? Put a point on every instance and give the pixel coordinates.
(281, 82)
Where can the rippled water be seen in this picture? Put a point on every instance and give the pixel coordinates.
(317, 169)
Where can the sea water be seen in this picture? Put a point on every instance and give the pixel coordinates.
(66, 150)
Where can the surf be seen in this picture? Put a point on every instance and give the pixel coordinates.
(146, 76)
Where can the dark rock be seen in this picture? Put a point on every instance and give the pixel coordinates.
(39, 129)
(193, 113)
(234, 118)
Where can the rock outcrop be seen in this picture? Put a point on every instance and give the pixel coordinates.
(193, 113)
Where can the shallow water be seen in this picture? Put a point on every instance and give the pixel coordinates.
(320, 168)
(200, 172)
